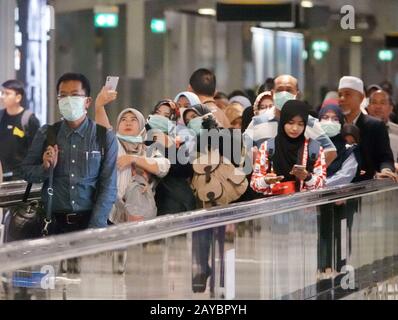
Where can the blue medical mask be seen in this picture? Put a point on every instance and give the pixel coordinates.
(331, 128)
(195, 124)
(130, 139)
(161, 123)
(72, 108)
(280, 98)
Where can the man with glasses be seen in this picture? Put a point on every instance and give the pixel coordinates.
(17, 128)
(84, 180)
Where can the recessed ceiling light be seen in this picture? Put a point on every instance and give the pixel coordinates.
(207, 11)
(307, 4)
(356, 39)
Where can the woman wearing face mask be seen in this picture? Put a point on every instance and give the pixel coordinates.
(132, 157)
(185, 100)
(344, 168)
(173, 193)
(162, 121)
(288, 168)
(263, 125)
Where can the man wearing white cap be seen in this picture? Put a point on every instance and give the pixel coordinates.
(377, 157)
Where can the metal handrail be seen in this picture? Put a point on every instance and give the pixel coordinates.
(35, 252)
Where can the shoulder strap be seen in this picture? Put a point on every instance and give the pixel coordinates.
(52, 132)
(25, 120)
(101, 139)
(313, 152)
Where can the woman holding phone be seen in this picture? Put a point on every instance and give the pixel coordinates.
(289, 163)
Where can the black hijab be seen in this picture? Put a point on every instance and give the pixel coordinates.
(338, 140)
(288, 150)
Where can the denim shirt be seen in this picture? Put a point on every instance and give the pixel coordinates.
(81, 183)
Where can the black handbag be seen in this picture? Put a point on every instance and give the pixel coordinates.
(29, 220)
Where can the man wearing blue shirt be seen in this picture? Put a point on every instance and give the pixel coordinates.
(84, 171)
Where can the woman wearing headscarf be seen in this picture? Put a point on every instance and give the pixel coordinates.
(133, 160)
(263, 124)
(287, 168)
(173, 193)
(344, 168)
(136, 169)
(185, 100)
(201, 117)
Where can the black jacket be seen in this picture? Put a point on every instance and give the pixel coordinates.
(374, 146)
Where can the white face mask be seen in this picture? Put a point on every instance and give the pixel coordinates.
(269, 113)
(280, 98)
(72, 108)
(331, 128)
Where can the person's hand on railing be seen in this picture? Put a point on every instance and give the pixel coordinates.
(134, 218)
(387, 174)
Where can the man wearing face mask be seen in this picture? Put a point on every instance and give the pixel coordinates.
(84, 180)
(374, 146)
(286, 88)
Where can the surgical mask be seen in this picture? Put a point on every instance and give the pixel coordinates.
(195, 124)
(331, 128)
(130, 139)
(161, 123)
(280, 98)
(72, 108)
(269, 113)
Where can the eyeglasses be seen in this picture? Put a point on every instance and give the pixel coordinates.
(61, 96)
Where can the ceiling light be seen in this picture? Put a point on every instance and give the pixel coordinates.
(307, 4)
(356, 39)
(207, 11)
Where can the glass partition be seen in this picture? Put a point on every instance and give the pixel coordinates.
(329, 244)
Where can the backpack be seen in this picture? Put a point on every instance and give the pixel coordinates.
(313, 152)
(139, 199)
(24, 121)
(216, 181)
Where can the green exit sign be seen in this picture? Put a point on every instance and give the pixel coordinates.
(106, 16)
(320, 45)
(158, 25)
(386, 55)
